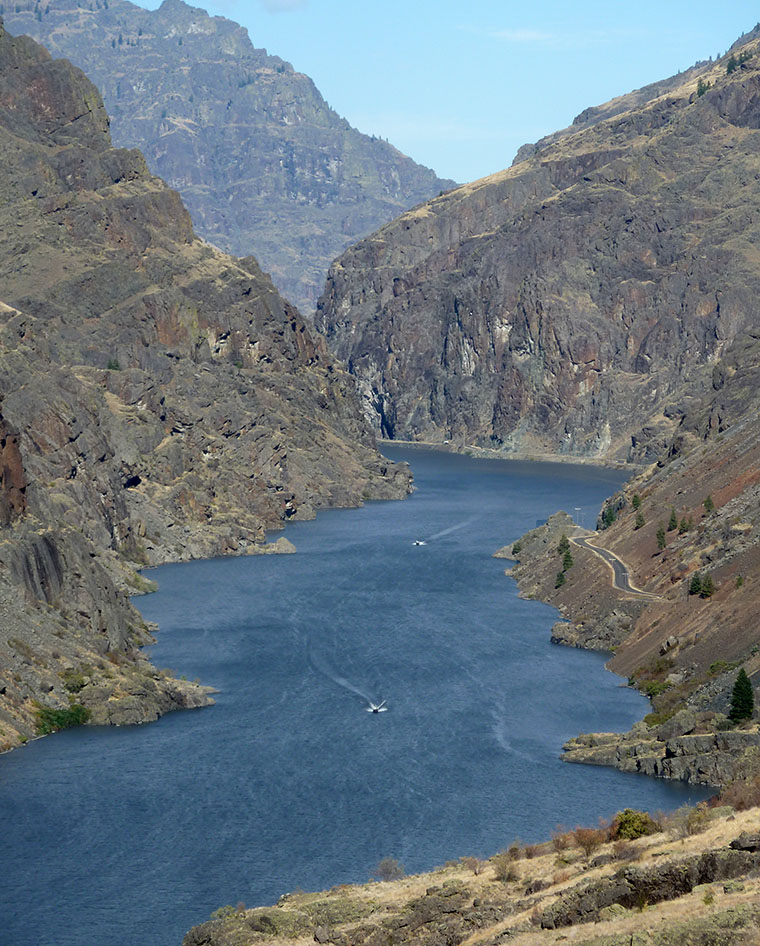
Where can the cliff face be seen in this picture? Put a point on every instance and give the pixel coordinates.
(158, 401)
(264, 165)
(570, 303)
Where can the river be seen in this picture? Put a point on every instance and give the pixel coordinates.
(120, 836)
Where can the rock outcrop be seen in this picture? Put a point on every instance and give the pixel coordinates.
(159, 401)
(573, 303)
(262, 162)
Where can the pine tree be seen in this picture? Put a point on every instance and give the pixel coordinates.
(673, 521)
(708, 586)
(709, 505)
(560, 580)
(696, 584)
(564, 545)
(661, 537)
(742, 698)
(639, 520)
(567, 560)
(636, 502)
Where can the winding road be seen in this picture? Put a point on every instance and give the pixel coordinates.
(620, 576)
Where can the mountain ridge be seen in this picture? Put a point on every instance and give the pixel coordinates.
(159, 401)
(264, 165)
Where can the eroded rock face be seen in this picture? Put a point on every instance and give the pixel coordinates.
(572, 302)
(263, 163)
(158, 401)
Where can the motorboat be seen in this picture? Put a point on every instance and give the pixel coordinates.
(377, 707)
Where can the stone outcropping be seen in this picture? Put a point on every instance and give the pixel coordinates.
(708, 758)
(574, 303)
(159, 401)
(262, 162)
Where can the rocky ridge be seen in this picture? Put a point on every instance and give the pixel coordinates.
(159, 401)
(573, 303)
(262, 162)
(689, 518)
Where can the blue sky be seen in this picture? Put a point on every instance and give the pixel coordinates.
(459, 86)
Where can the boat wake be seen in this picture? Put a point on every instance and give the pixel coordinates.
(460, 525)
(322, 666)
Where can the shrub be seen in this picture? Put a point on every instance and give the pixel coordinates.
(640, 521)
(630, 824)
(473, 863)
(589, 839)
(517, 548)
(686, 820)
(504, 868)
(113, 364)
(51, 720)
(561, 838)
(73, 681)
(636, 502)
(742, 794)
(702, 87)
(739, 581)
(709, 505)
(390, 869)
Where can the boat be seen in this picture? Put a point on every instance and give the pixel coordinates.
(419, 542)
(377, 707)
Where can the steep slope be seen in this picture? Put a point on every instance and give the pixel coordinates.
(264, 165)
(158, 401)
(570, 301)
(684, 643)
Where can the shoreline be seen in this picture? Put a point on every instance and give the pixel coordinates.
(486, 453)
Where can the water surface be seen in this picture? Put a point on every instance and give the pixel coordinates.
(120, 836)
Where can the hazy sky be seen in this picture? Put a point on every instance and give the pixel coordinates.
(461, 85)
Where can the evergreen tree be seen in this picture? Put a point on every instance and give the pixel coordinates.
(609, 517)
(661, 537)
(639, 520)
(695, 587)
(567, 560)
(709, 505)
(636, 502)
(560, 580)
(708, 586)
(673, 521)
(564, 545)
(742, 698)
(683, 525)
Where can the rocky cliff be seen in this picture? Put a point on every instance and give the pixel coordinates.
(262, 162)
(687, 530)
(570, 304)
(158, 401)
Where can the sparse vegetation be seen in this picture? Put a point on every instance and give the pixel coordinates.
(702, 87)
(389, 869)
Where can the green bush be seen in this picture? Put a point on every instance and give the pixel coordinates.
(631, 824)
(560, 580)
(640, 521)
(51, 720)
(389, 869)
(517, 548)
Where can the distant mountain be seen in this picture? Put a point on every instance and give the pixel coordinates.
(574, 303)
(264, 165)
(159, 401)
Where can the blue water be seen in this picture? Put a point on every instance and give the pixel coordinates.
(113, 837)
